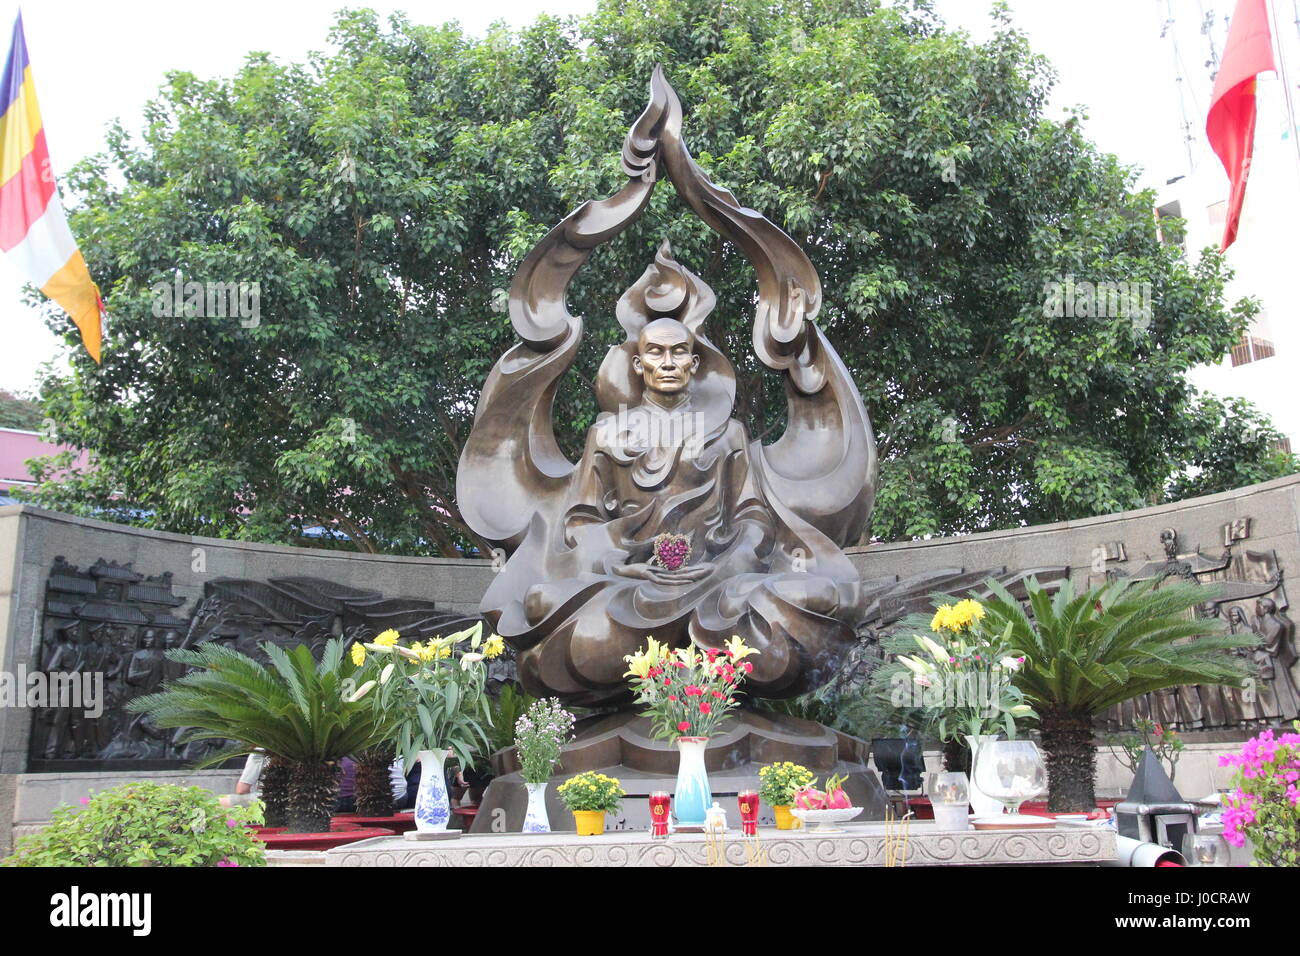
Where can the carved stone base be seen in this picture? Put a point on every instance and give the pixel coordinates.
(620, 745)
(864, 844)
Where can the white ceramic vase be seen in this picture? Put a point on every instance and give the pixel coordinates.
(432, 809)
(980, 802)
(535, 818)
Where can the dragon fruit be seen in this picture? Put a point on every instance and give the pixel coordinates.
(835, 797)
(809, 798)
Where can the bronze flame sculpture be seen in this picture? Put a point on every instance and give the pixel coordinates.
(765, 524)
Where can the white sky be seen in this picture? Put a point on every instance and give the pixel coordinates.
(94, 60)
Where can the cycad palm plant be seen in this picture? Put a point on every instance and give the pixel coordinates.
(1088, 652)
(301, 711)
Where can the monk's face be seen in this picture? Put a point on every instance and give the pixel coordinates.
(665, 357)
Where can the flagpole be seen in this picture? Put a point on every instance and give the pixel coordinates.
(1292, 133)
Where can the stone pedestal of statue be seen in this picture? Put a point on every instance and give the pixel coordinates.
(620, 745)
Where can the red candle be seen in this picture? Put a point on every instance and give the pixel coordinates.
(748, 801)
(660, 803)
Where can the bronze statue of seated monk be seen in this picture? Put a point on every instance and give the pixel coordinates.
(765, 524)
(755, 531)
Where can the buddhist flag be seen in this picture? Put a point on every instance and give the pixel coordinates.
(34, 232)
(1230, 125)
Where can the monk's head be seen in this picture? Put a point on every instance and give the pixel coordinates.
(665, 356)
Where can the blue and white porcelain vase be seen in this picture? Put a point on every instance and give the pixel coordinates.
(535, 818)
(432, 810)
(691, 799)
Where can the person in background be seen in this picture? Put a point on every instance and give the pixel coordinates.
(397, 778)
(347, 786)
(249, 787)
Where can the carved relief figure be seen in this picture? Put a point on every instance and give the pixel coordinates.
(108, 620)
(1274, 658)
(1243, 700)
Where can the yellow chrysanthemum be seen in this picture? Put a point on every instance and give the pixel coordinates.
(494, 646)
(967, 612)
(388, 638)
(358, 654)
(956, 617)
(425, 652)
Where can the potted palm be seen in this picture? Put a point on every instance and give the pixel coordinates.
(301, 711)
(1087, 652)
(374, 786)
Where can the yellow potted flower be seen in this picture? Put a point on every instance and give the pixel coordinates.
(778, 783)
(589, 796)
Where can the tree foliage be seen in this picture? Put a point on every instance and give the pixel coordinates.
(17, 411)
(381, 195)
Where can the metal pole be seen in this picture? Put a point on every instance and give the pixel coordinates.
(1286, 83)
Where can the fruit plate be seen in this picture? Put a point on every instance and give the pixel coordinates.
(826, 819)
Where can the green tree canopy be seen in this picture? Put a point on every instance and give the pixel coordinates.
(18, 411)
(382, 194)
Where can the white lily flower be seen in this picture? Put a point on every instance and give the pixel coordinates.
(468, 660)
(361, 691)
(915, 666)
(475, 632)
(940, 654)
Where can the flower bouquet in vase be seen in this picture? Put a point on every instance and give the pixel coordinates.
(432, 695)
(687, 693)
(539, 736)
(965, 678)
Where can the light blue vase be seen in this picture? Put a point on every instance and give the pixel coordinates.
(691, 799)
(431, 806)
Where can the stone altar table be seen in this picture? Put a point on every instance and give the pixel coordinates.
(861, 844)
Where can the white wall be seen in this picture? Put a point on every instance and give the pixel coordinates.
(1263, 257)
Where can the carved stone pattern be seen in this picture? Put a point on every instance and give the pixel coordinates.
(864, 846)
